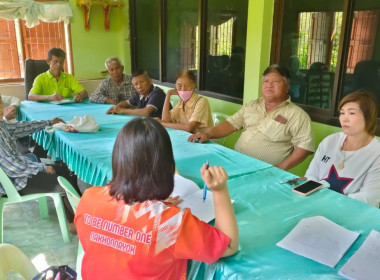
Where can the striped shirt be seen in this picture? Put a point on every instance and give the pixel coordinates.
(272, 136)
(15, 165)
(108, 89)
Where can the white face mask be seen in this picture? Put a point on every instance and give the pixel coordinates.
(185, 94)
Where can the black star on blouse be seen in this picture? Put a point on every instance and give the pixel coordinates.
(337, 183)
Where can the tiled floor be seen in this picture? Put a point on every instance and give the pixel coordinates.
(40, 239)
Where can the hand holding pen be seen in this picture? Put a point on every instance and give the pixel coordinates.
(215, 177)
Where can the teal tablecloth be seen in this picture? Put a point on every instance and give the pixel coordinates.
(266, 209)
(89, 154)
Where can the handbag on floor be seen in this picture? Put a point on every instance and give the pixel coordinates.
(62, 272)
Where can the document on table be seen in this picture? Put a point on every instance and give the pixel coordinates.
(63, 101)
(365, 263)
(192, 197)
(319, 239)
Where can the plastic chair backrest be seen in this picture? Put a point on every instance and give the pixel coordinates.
(13, 259)
(13, 197)
(72, 194)
(219, 117)
(33, 68)
(8, 186)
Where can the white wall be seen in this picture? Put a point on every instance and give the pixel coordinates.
(18, 90)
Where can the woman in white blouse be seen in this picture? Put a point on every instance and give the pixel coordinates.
(349, 161)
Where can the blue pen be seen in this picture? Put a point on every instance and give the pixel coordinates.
(205, 186)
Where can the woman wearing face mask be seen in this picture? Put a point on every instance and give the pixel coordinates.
(192, 113)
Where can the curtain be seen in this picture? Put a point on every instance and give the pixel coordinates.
(32, 11)
(218, 17)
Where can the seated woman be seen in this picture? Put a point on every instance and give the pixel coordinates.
(127, 230)
(349, 161)
(28, 175)
(192, 113)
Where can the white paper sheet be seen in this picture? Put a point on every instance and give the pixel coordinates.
(365, 263)
(319, 239)
(63, 101)
(192, 197)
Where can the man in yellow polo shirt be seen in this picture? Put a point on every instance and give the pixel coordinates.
(54, 84)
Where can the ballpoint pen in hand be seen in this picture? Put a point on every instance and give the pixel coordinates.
(205, 186)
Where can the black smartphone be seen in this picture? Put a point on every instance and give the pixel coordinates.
(307, 187)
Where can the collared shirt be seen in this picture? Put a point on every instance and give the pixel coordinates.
(155, 99)
(109, 89)
(196, 109)
(46, 84)
(15, 165)
(272, 136)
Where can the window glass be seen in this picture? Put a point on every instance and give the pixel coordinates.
(362, 69)
(226, 39)
(309, 47)
(182, 37)
(146, 37)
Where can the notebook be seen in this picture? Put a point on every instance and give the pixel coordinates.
(63, 101)
(192, 197)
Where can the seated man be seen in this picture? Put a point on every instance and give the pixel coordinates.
(274, 129)
(148, 100)
(117, 87)
(10, 104)
(28, 175)
(54, 84)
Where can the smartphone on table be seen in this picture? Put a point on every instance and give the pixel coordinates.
(307, 187)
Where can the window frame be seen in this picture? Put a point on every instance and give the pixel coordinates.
(325, 116)
(202, 49)
(69, 63)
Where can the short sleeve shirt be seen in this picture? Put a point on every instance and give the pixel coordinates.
(272, 136)
(155, 99)
(196, 109)
(109, 89)
(148, 240)
(46, 84)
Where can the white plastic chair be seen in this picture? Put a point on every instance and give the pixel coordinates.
(13, 197)
(13, 259)
(217, 118)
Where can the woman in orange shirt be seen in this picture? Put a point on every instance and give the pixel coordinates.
(127, 230)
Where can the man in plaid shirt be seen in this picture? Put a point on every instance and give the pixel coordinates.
(117, 87)
(25, 171)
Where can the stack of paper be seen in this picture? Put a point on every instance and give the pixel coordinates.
(365, 263)
(192, 197)
(319, 239)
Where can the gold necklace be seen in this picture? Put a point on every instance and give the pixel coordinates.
(341, 165)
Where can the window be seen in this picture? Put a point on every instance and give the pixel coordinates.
(206, 37)
(18, 43)
(332, 47)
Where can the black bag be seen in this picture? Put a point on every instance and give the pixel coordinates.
(62, 272)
